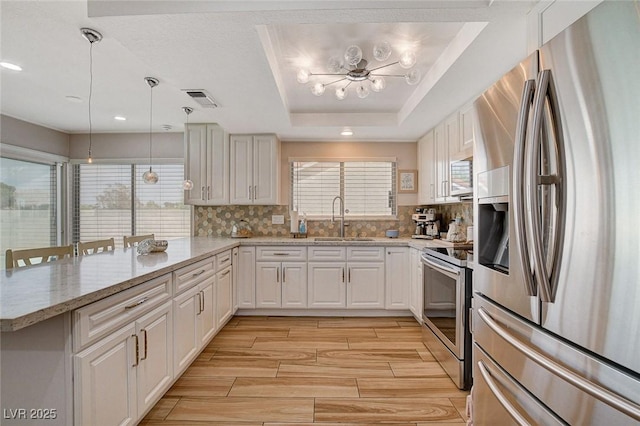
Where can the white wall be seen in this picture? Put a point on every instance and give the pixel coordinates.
(26, 135)
(126, 145)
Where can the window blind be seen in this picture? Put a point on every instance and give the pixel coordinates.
(367, 187)
(112, 200)
(28, 200)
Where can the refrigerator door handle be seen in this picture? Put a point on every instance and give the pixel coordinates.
(602, 394)
(486, 375)
(518, 185)
(545, 275)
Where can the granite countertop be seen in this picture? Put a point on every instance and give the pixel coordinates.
(32, 294)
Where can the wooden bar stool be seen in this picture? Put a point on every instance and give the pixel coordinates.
(26, 257)
(97, 246)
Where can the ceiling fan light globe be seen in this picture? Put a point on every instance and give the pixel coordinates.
(362, 91)
(407, 59)
(341, 93)
(334, 65)
(412, 77)
(353, 55)
(303, 76)
(378, 84)
(318, 89)
(382, 51)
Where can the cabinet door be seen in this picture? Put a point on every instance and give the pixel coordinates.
(155, 368)
(186, 341)
(195, 163)
(105, 381)
(426, 169)
(466, 131)
(268, 288)
(246, 277)
(234, 277)
(365, 285)
(415, 294)
(266, 170)
(398, 278)
(224, 297)
(206, 316)
(442, 163)
(326, 285)
(294, 284)
(217, 170)
(452, 135)
(241, 180)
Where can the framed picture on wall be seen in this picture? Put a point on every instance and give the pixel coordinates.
(407, 181)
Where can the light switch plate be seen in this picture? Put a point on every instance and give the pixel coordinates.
(277, 219)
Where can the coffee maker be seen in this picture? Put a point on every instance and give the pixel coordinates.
(427, 224)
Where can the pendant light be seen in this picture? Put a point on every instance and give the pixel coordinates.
(150, 176)
(187, 184)
(92, 36)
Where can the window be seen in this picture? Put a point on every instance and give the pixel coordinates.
(367, 187)
(28, 200)
(111, 200)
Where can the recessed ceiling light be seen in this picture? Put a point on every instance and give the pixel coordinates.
(73, 99)
(120, 118)
(10, 66)
(347, 132)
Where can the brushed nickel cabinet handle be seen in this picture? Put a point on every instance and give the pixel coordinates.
(197, 273)
(145, 344)
(136, 304)
(137, 350)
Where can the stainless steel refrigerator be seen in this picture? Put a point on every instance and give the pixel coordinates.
(556, 307)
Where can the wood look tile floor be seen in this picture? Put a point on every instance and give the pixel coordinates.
(285, 371)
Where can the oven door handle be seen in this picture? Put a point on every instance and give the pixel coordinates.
(441, 266)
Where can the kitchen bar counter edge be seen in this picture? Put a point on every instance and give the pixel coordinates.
(33, 294)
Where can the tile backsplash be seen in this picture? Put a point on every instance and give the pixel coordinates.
(217, 222)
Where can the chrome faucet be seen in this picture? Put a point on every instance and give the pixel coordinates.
(333, 206)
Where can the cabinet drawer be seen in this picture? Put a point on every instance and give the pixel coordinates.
(100, 318)
(223, 260)
(365, 253)
(328, 253)
(191, 275)
(284, 254)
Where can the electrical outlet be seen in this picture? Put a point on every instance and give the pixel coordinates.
(277, 219)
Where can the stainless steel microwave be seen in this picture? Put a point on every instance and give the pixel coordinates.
(461, 176)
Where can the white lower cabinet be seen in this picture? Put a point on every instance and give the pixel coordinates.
(120, 377)
(195, 318)
(351, 278)
(224, 296)
(327, 286)
(415, 289)
(398, 278)
(365, 285)
(246, 278)
(280, 283)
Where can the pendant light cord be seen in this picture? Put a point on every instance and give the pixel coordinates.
(90, 95)
(150, 126)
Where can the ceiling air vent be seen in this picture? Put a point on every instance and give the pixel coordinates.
(202, 98)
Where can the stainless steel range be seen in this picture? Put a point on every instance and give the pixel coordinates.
(447, 299)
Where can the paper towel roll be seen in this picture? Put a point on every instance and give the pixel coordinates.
(294, 221)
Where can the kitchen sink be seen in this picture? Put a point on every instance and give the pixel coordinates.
(329, 239)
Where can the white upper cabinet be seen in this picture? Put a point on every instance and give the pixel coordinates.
(442, 162)
(426, 169)
(465, 147)
(255, 169)
(206, 164)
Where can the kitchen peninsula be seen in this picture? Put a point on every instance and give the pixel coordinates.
(50, 326)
